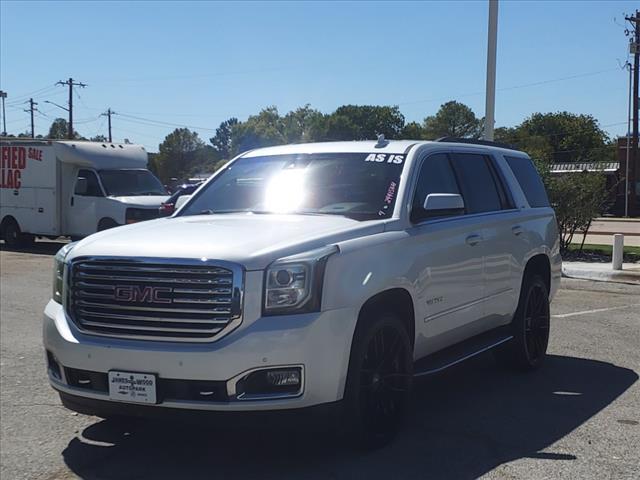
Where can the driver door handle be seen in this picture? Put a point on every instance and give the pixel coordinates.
(473, 239)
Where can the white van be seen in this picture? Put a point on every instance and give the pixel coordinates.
(73, 188)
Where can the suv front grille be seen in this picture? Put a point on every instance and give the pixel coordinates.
(153, 299)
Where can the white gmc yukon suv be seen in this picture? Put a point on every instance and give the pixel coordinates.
(310, 277)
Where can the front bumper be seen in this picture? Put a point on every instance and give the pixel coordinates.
(318, 342)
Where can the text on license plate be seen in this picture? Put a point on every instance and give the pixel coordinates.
(132, 387)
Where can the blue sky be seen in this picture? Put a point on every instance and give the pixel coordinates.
(197, 64)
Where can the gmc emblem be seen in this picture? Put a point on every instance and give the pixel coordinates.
(134, 293)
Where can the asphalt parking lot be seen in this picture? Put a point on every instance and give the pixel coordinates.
(578, 417)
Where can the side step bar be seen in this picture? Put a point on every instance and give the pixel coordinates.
(460, 352)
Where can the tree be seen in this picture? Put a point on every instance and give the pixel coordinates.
(412, 131)
(577, 199)
(60, 129)
(560, 137)
(262, 130)
(303, 125)
(98, 138)
(364, 122)
(454, 119)
(222, 140)
(177, 153)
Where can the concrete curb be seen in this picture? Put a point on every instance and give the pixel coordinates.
(616, 276)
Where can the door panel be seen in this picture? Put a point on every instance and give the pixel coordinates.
(450, 282)
(82, 206)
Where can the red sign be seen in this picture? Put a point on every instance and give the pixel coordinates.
(13, 160)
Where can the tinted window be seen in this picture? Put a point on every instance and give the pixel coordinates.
(93, 187)
(529, 180)
(436, 176)
(358, 185)
(119, 183)
(477, 182)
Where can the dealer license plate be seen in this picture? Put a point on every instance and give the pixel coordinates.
(132, 387)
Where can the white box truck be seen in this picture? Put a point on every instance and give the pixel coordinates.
(73, 188)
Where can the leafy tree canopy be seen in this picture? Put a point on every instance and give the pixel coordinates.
(454, 119)
(59, 130)
(183, 153)
(560, 137)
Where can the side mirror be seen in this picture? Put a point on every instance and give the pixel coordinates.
(182, 199)
(81, 186)
(439, 204)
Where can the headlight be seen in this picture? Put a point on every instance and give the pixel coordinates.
(58, 271)
(294, 284)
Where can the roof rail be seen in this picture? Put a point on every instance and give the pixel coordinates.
(476, 141)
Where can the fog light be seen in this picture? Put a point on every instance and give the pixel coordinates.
(281, 378)
(269, 383)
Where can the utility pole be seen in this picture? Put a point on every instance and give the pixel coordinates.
(32, 108)
(3, 95)
(108, 114)
(490, 98)
(70, 83)
(633, 171)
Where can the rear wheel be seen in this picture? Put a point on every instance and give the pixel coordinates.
(11, 233)
(528, 348)
(106, 224)
(379, 380)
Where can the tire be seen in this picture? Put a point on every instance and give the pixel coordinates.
(11, 233)
(379, 378)
(106, 224)
(528, 348)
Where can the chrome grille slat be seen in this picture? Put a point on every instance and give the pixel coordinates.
(141, 318)
(113, 306)
(144, 269)
(201, 291)
(127, 278)
(154, 299)
(89, 323)
(203, 301)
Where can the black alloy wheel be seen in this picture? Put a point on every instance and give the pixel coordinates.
(530, 327)
(536, 322)
(379, 381)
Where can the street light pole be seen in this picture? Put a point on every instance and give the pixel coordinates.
(490, 98)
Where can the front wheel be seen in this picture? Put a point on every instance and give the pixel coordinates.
(528, 348)
(379, 380)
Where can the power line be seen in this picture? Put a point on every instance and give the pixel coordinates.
(514, 87)
(161, 123)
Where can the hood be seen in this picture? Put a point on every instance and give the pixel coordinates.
(142, 200)
(253, 241)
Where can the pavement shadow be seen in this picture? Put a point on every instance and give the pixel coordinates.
(464, 424)
(40, 247)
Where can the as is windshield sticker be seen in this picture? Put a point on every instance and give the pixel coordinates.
(384, 158)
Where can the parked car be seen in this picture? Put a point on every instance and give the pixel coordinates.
(320, 276)
(168, 207)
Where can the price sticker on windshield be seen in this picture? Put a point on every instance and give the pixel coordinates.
(385, 158)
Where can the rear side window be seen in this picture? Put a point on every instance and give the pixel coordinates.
(529, 180)
(477, 182)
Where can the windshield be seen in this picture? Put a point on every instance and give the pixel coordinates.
(358, 185)
(120, 183)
